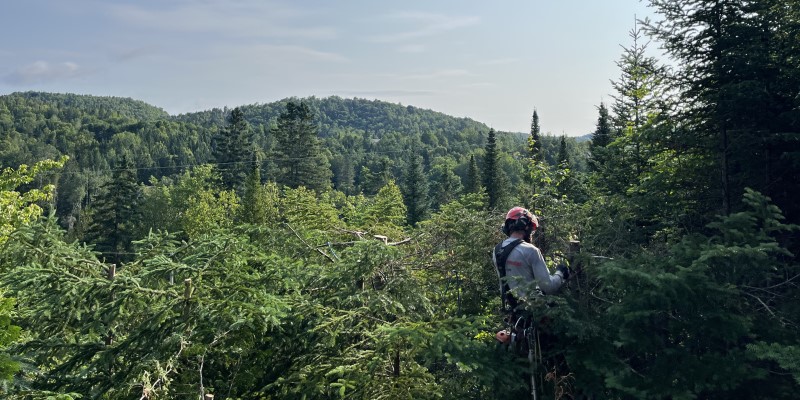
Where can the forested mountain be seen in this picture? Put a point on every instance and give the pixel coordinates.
(360, 139)
(334, 248)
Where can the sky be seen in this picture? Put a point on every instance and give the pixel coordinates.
(492, 61)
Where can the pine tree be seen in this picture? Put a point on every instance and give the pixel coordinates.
(115, 214)
(490, 170)
(300, 159)
(233, 150)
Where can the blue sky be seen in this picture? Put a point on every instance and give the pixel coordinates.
(490, 61)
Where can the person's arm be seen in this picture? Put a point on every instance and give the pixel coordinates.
(547, 283)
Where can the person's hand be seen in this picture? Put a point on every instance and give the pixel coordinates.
(564, 271)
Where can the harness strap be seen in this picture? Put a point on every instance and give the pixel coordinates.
(501, 255)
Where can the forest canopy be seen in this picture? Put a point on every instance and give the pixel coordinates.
(342, 248)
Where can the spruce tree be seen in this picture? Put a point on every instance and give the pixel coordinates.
(473, 184)
(299, 155)
(233, 150)
(415, 191)
(738, 75)
(114, 214)
(563, 155)
(445, 184)
(257, 205)
(534, 140)
(602, 134)
(490, 170)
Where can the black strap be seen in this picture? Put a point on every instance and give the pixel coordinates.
(500, 256)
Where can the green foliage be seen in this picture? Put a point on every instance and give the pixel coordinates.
(260, 201)
(294, 290)
(114, 215)
(473, 183)
(699, 305)
(415, 191)
(17, 209)
(300, 159)
(233, 151)
(387, 212)
(491, 173)
(9, 334)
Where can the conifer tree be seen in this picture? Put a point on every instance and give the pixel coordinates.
(259, 203)
(490, 170)
(415, 191)
(115, 213)
(445, 184)
(636, 102)
(473, 184)
(300, 158)
(388, 212)
(602, 134)
(534, 140)
(563, 155)
(736, 57)
(233, 150)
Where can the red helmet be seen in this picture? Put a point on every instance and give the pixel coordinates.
(520, 219)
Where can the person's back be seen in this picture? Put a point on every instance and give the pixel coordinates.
(524, 264)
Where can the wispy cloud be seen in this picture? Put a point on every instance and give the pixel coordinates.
(279, 54)
(239, 19)
(42, 71)
(426, 25)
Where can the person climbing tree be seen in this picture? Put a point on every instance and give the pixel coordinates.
(519, 263)
(523, 276)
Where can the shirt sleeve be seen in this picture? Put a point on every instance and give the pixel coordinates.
(547, 283)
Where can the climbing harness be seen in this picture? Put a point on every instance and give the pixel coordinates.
(501, 255)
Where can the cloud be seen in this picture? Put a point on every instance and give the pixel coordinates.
(278, 54)
(42, 71)
(256, 19)
(427, 25)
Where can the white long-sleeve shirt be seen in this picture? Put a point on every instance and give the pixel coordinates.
(525, 265)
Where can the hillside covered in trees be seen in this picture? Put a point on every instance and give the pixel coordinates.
(341, 248)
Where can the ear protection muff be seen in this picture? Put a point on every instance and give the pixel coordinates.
(523, 221)
(519, 224)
